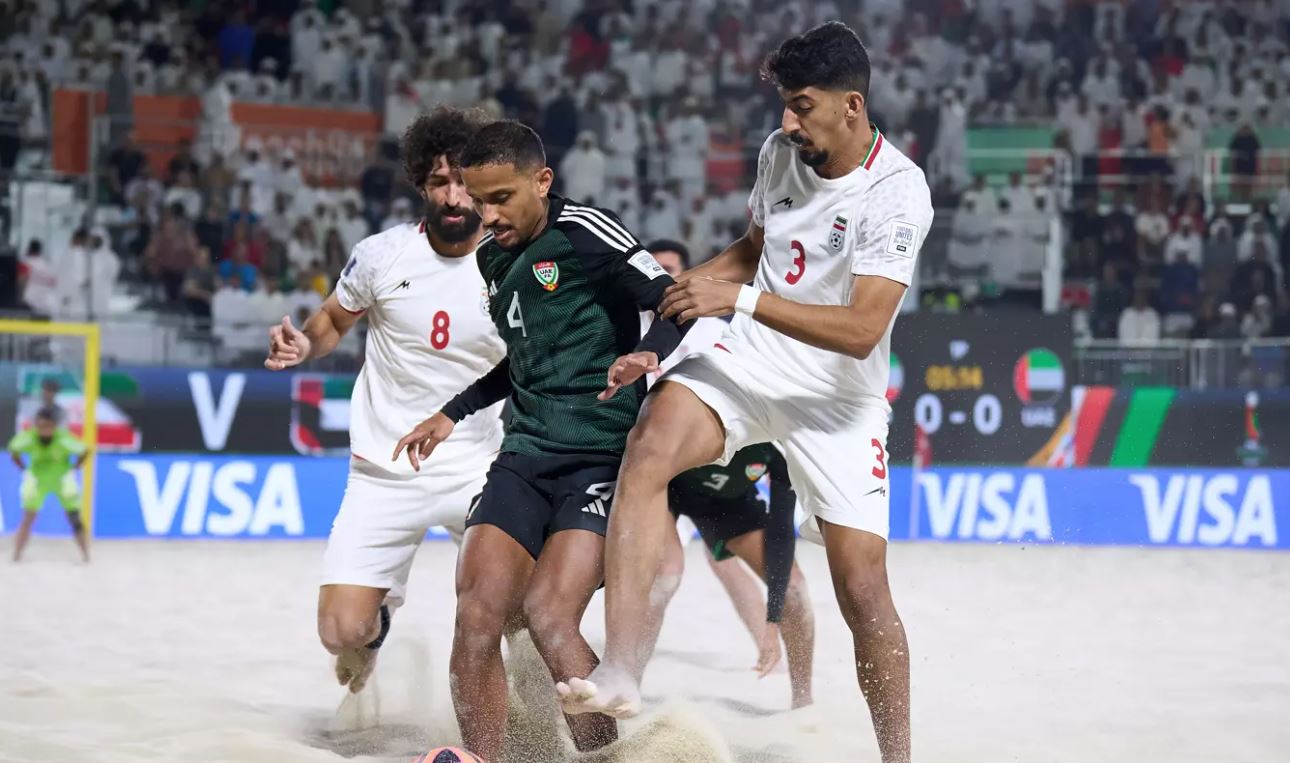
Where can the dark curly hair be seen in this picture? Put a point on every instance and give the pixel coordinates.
(505, 142)
(830, 57)
(443, 132)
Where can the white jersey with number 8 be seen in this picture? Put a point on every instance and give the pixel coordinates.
(820, 233)
(429, 337)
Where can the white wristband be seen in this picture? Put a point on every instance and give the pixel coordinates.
(746, 302)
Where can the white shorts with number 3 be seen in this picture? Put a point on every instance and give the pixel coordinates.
(836, 450)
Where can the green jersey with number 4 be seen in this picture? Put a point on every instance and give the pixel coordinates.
(567, 306)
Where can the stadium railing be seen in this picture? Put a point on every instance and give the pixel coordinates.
(1197, 364)
(1220, 181)
(162, 339)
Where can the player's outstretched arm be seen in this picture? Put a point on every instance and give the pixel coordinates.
(290, 346)
(736, 263)
(852, 330)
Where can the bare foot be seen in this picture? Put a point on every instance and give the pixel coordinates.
(607, 690)
(354, 667)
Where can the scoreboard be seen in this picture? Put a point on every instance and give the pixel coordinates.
(986, 389)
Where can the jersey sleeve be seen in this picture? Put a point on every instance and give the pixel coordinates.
(757, 198)
(70, 442)
(610, 254)
(356, 288)
(22, 442)
(896, 216)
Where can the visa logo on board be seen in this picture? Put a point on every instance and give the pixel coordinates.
(1210, 510)
(226, 500)
(994, 506)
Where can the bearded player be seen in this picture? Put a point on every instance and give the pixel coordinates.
(838, 216)
(429, 335)
(566, 283)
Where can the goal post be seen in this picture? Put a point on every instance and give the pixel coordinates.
(89, 335)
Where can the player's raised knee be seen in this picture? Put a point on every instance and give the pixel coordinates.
(651, 453)
(343, 630)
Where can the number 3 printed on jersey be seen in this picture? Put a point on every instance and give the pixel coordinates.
(880, 455)
(799, 263)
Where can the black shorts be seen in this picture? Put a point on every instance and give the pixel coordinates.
(532, 498)
(719, 520)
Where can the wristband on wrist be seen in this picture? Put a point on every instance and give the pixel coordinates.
(746, 303)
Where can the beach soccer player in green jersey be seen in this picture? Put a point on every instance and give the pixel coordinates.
(53, 455)
(566, 283)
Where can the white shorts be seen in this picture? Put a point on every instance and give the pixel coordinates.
(384, 517)
(836, 450)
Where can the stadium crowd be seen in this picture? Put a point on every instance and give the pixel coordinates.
(655, 109)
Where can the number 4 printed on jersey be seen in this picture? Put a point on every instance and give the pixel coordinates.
(514, 316)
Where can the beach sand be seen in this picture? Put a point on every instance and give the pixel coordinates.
(207, 651)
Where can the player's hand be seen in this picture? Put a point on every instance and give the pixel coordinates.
(288, 346)
(626, 370)
(768, 651)
(422, 441)
(700, 297)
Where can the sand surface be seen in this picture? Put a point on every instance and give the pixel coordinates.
(206, 651)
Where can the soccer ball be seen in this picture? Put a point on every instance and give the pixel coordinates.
(447, 755)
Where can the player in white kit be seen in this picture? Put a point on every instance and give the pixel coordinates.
(429, 336)
(838, 216)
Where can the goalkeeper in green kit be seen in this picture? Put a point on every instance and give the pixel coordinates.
(53, 454)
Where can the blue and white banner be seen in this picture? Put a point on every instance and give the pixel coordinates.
(297, 497)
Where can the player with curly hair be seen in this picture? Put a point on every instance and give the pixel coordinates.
(429, 335)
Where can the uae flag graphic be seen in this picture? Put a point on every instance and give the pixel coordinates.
(320, 413)
(1038, 377)
(895, 379)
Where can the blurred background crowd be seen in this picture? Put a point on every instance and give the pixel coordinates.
(1125, 160)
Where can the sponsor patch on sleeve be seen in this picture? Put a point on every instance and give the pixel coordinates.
(647, 265)
(903, 240)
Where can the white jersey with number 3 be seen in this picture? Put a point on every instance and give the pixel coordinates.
(429, 337)
(820, 234)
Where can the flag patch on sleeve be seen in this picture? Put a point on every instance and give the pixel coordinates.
(904, 239)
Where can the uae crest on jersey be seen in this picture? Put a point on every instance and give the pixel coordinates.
(754, 471)
(838, 233)
(548, 274)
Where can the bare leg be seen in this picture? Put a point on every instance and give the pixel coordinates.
(78, 533)
(349, 618)
(568, 572)
(858, 562)
(23, 534)
(669, 579)
(492, 574)
(797, 626)
(675, 432)
(744, 593)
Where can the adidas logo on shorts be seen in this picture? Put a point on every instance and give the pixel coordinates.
(596, 507)
(604, 493)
